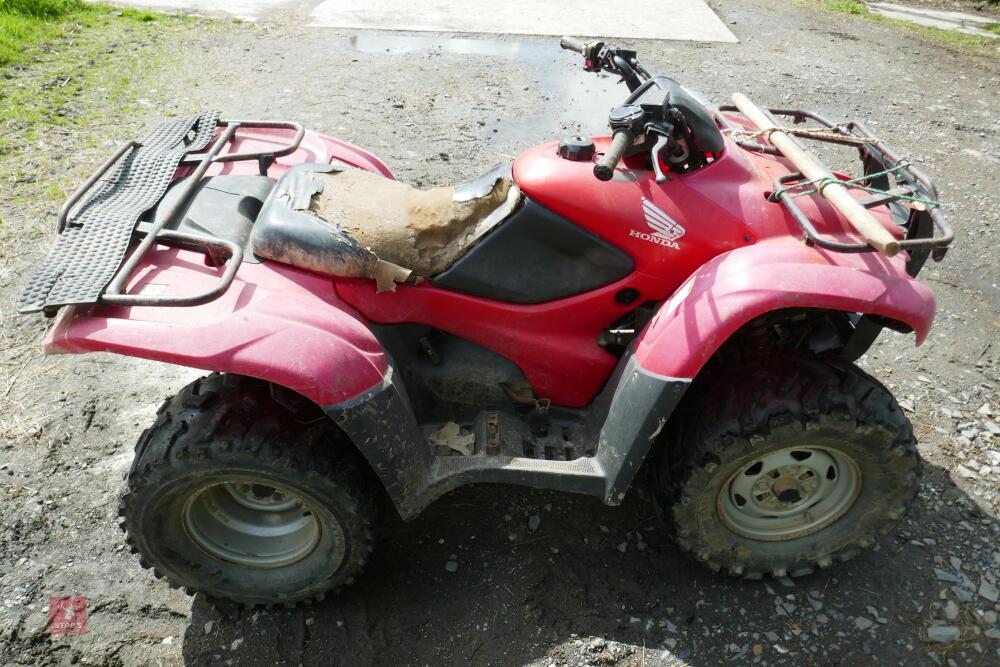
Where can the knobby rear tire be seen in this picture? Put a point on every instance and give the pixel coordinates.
(228, 430)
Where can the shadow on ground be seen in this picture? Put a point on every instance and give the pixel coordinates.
(595, 585)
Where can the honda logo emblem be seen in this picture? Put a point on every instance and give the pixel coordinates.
(664, 230)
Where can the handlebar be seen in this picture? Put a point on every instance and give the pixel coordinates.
(572, 44)
(628, 122)
(605, 167)
(601, 57)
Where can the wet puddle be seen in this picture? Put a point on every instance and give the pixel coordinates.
(571, 100)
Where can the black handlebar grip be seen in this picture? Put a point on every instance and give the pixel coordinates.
(605, 167)
(572, 44)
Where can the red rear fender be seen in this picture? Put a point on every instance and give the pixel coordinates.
(734, 288)
(275, 323)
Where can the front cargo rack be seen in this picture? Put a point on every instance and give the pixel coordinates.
(927, 231)
(86, 265)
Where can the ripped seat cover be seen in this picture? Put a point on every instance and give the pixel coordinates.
(353, 223)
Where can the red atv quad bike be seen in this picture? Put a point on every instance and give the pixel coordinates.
(697, 305)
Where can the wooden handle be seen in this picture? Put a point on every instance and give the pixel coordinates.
(839, 196)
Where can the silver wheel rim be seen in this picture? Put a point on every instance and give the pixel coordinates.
(789, 493)
(253, 522)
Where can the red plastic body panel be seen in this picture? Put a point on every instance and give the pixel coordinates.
(315, 147)
(722, 206)
(739, 257)
(734, 288)
(614, 209)
(554, 343)
(277, 323)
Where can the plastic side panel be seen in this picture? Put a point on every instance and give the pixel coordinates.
(385, 430)
(781, 273)
(626, 419)
(275, 323)
(617, 209)
(553, 343)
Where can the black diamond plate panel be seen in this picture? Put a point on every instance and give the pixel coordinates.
(91, 248)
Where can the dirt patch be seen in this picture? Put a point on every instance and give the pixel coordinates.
(538, 578)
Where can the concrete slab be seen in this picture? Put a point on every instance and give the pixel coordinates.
(637, 19)
(969, 24)
(249, 10)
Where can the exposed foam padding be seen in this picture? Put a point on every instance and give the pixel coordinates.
(354, 223)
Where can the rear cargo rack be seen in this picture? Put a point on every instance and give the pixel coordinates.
(927, 231)
(94, 236)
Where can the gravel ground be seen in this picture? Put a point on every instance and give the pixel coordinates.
(541, 579)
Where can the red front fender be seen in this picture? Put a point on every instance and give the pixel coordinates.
(275, 323)
(734, 288)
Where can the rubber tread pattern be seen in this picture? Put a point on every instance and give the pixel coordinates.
(737, 410)
(92, 247)
(223, 420)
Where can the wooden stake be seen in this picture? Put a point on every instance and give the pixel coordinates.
(839, 196)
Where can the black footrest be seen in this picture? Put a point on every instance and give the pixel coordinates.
(90, 249)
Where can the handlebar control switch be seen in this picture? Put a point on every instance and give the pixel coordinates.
(628, 117)
(576, 149)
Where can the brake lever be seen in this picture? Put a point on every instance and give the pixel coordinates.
(663, 138)
(660, 143)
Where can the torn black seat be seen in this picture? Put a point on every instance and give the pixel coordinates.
(349, 222)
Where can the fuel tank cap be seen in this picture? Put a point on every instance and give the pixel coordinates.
(577, 149)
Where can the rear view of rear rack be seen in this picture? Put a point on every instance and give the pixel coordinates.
(86, 264)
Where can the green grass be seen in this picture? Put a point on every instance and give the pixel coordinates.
(69, 64)
(40, 8)
(70, 87)
(844, 6)
(981, 45)
(27, 24)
